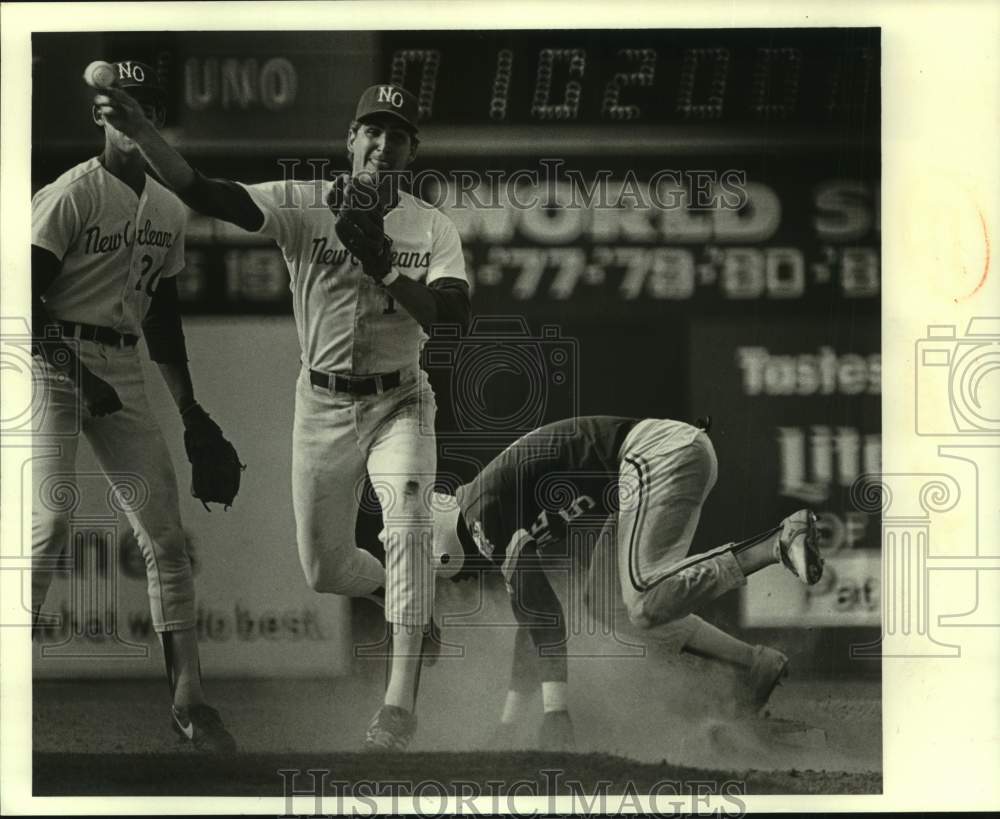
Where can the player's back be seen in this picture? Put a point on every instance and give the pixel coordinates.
(587, 444)
(555, 475)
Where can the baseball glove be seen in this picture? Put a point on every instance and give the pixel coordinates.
(215, 466)
(359, 204)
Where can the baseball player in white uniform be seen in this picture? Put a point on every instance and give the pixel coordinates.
(362, 401)
(615, 503)
(107, 243)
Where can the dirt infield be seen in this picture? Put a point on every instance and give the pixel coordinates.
(189, 774)
(113, 737)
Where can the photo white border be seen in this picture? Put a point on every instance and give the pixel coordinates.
(941, 107)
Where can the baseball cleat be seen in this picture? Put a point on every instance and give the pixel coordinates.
(202, 726)
(769, 667)
(798, 548)
(391, 729)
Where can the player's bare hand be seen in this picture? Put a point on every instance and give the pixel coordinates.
(99, 397)
(556, 732)
(121, 111)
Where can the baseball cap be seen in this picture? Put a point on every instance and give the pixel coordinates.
(389, 99)
(140, 80)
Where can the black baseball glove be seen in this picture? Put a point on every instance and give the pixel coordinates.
(359, 205)
(215, 466)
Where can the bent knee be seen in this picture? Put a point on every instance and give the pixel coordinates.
(654, 608)
(329, 580)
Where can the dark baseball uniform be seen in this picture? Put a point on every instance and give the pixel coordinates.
(600, 497)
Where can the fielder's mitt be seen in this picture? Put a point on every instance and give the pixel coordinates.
(359, 204)
(215, 465)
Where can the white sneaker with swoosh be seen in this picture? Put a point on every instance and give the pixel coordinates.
(202, 726)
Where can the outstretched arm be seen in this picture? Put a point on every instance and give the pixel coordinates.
(539, 653)
(219, 198)
(539, 613)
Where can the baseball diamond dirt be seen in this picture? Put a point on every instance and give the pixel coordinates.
(98, 737)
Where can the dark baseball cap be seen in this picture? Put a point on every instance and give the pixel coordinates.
(389, 99)
(140, 80)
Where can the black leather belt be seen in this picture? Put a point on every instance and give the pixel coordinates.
(354, 384)
(102, 335)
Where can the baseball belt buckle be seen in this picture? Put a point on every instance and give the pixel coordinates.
(353, 383)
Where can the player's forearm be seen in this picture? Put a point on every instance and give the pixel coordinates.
(164, 335)
(524, 670)
(218, 198)
(440, 303)
(177, 377)
(165, 160)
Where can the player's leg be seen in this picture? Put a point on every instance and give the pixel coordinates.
(327, 479)
(136, 460)
(402, 464)
(673, 492)
(662, 490)
(55, 440)
(602, 596)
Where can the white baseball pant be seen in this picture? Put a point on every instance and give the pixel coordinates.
(336, 437)
(667, 470)
(134, 457)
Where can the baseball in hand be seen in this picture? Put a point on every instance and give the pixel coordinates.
(99, 74)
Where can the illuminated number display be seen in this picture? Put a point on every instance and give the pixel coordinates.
(806, 77)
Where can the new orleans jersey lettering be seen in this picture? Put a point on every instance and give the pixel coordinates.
(346, 322)
(115, 246)
(323, 253)
(97, 242)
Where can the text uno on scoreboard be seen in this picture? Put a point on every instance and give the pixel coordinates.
(799, 77)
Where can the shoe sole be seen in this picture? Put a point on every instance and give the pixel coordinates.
(814, 560)
(372, 745)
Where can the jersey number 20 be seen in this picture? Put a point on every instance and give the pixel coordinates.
(150, 282)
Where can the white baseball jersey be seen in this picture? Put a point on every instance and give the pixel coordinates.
(346, 322)
(114, 246)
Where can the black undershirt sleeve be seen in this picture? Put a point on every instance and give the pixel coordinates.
(162, 326)
(454, 306)
(222, 199)
(537, 610)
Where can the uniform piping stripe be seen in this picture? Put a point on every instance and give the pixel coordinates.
(633, 560)
(693, 560)
(658, 438)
